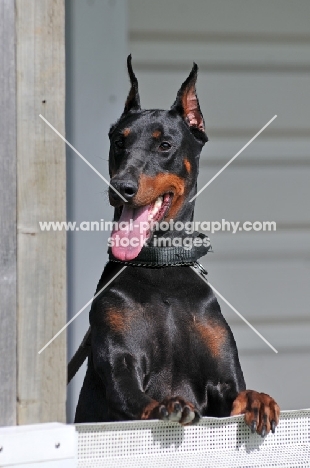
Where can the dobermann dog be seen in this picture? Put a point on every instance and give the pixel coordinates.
(159, 345)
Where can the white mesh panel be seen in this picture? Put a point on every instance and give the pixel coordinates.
(212, 443)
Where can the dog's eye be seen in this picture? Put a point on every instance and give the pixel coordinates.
(119, 144)
(164, 146)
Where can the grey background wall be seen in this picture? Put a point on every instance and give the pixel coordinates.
(254, 60)
(96, 48)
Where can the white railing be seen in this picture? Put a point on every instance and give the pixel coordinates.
(211, 443)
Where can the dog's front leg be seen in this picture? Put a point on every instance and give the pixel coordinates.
(122, 374)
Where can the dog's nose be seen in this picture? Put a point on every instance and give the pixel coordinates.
(127, 188)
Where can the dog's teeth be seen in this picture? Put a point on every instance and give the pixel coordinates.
(156, 207)
(158, 202)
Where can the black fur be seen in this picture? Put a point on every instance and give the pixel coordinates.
(158, 334)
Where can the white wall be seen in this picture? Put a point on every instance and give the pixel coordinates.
(254, 60)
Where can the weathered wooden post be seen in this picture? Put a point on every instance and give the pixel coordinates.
(33, 281)
(8, 300)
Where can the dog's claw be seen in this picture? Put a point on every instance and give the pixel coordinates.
(177, 408)
(163, 413)
(187, 415)
(253, 427)
(273, 426)
(264, 431)
(196, 418)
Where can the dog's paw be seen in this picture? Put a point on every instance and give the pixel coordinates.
(261, 412)
(174, 409)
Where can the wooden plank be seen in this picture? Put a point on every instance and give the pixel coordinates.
(7, 215)
(40, 56)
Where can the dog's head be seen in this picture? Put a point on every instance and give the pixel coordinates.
(153, 161)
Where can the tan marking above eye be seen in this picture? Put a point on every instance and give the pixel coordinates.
(156, 134)
(126, 132)
(187, 165)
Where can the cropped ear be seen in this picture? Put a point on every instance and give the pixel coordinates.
(187, 105)
(133, 99)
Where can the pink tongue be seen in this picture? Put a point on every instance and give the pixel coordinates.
(130, 236)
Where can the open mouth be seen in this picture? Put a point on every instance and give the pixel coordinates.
(135, 226)
(158, 209)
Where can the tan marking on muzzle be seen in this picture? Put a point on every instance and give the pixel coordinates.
(151, 188)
